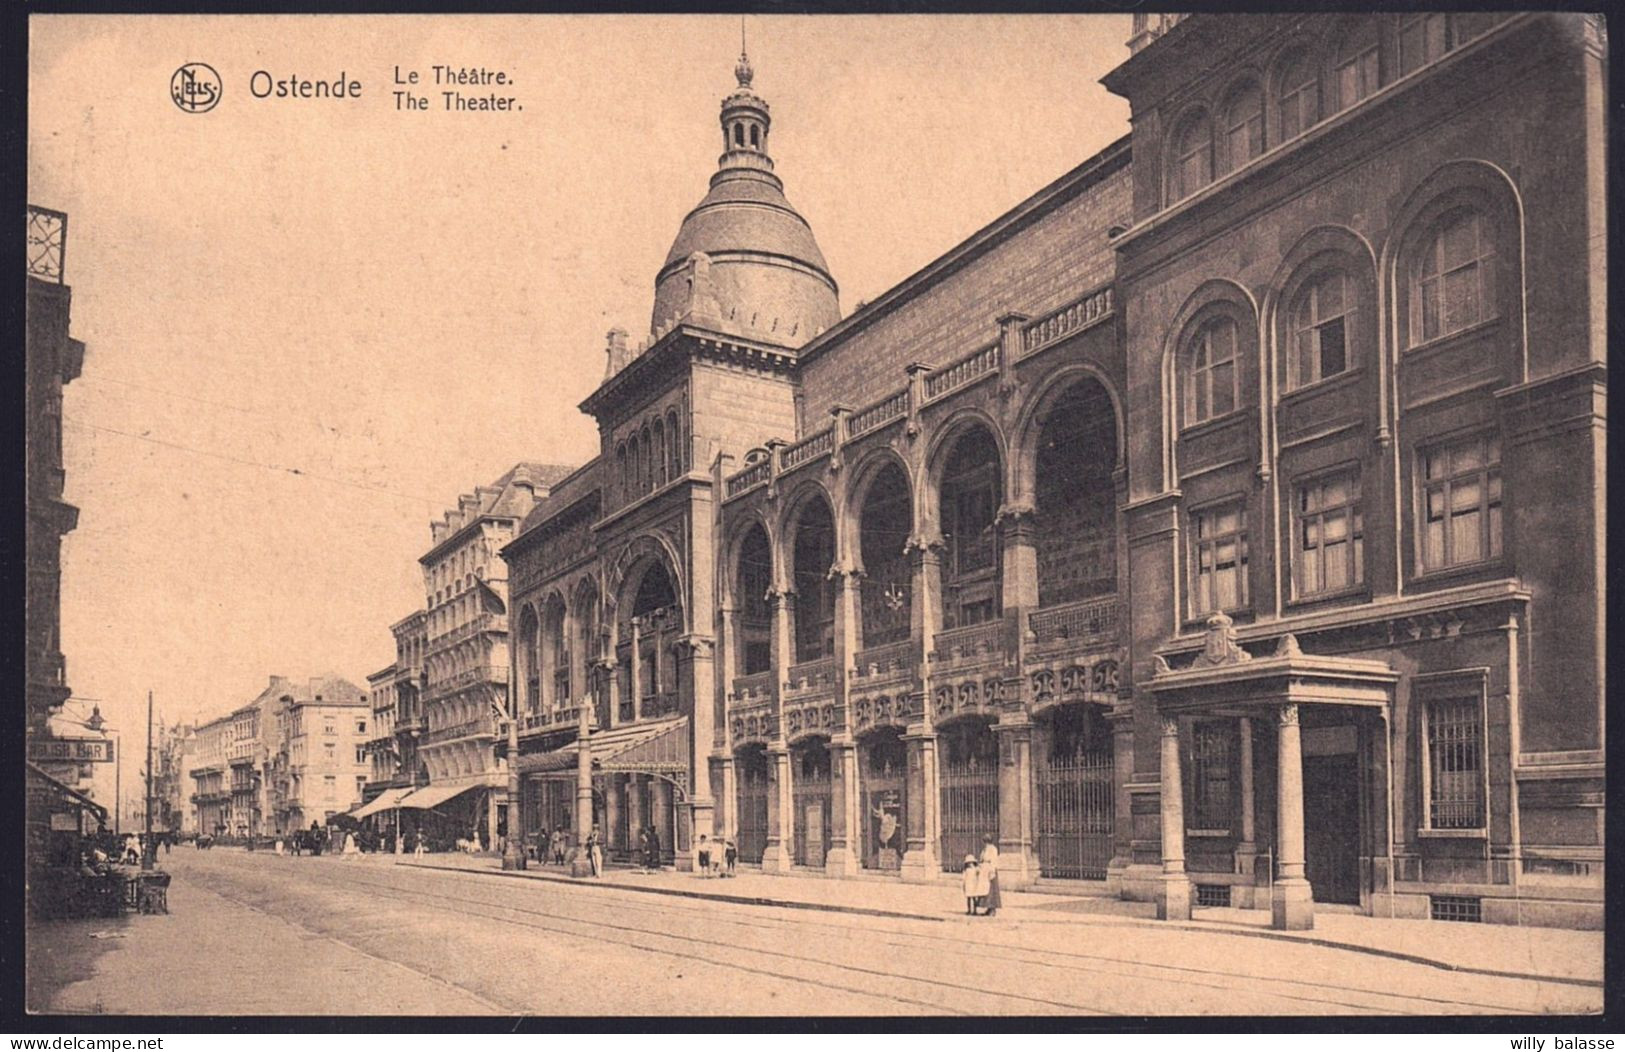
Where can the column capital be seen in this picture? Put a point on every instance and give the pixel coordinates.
(1287, 715)
(924, 543)
(1170, 726)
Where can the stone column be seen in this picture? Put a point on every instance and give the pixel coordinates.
(1174, 902)
(612, 809)
(701, 679)
(637, 667)
(1018, 851)
(727, 814)
(1247, 846)
(583, 866)
(1291, 900)
(612, 689)
(921, 861)
(1020, 574)
(776, 857)
(845, 820)
(660, 815)
(636, 823)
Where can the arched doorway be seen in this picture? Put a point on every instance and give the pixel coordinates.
(882, 767)
(1076, 499)
(972, 483)
(752, 781)
(884, 523)
(530, 660)
(810, 796)
(812, 557)
(1072, 772)
(555, 653)
(755, 582)
(968, 776)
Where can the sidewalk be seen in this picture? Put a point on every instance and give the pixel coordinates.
(1553, 954)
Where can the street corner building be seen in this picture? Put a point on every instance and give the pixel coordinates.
(1222, 525)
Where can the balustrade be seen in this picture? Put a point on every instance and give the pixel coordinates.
(1074, 317)
(962, 372)
(751, 477)
(754, 687)
(811, 677)
(892, 407)
(972, 645)
(1087, 622)
(808, 448)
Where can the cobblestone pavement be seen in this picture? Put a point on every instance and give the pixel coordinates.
(259, 934)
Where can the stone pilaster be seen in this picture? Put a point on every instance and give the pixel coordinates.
(776, 858)
(920, 861)
(846, 819)
(1247, 847)
(1018, 850)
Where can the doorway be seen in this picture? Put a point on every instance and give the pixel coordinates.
(1331, 835)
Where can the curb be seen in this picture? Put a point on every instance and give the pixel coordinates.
(1211, 929)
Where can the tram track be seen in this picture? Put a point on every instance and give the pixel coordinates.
(1052, 958)
(679, 945)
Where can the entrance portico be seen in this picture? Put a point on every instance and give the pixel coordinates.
(1225, 683)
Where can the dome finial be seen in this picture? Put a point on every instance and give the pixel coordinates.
(743, 70)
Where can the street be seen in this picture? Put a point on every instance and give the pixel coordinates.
(261, 934)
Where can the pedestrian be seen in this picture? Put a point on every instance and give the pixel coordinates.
(557, 844)
(418, 849)
(975, 884)
(594, 854)
(731, 856)
(351, 848)
(169, 842)
(704, 853)
(990, 864)
(654, 850)
(643, 849)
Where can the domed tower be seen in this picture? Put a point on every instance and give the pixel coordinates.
(744, 258)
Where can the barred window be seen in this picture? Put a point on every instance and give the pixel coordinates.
(1219, 559)
(1211, 746)
(1455, 764)
(1321, 319)
(1452, 282)
(1211, 383)
(1330, 544)
(1461, 502)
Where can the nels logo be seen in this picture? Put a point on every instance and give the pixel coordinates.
(195, 87)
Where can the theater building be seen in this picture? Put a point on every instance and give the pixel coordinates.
(1194, 528)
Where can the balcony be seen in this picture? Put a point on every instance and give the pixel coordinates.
(47, 240)
(481, 727)
(810, 681)
(1070, 627)
(753, 689)
(971, 647)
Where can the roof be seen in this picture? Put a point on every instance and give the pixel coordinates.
(749, 213)
(504, 498)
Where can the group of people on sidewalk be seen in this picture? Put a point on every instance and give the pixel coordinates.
(716, 858)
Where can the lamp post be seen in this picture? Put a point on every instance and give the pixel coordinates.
(513, 855)
(147, 852)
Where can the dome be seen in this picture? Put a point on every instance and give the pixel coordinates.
(744, 257)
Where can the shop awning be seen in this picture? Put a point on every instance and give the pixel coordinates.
(432, 796)
(645, 744)
(384, 801)
(75, 797)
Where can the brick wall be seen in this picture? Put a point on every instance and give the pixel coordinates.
(1042, 267)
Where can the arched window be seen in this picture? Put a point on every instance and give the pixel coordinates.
(755, 614)
(739, 135)
(632, 469)
(1300, 97)
(886, 607)
(1322, 318)
(646, 475)
(1192, 157)
(1357, 71)
(1452, 279)
(1242, 128)
(1422, 39)
(972, 481)
(812, 556)
(660, 463)
(1211, 382)
(675, 445)
(755, 135)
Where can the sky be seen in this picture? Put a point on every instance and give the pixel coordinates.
(312, 323)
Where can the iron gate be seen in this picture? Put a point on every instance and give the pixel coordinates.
(753, 790)
(1075, 814)
(969, 780)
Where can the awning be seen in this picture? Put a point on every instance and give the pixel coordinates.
(643, 744)
(78, 798)
(384, 801)
(432, 796)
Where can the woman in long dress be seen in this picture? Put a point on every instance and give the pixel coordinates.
(990, 868)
